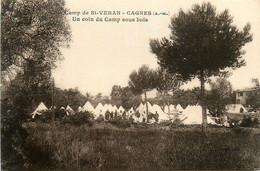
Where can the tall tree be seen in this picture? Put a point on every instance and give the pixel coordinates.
(142, 81)
(219, 96)
(254, 96)
(32, 31)
(116, 94)
(166, 82)
(72, 97)
(99, 98)
(129, 99)
(89, 97)
(203, 43)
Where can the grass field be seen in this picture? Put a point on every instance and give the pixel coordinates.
(104, 146)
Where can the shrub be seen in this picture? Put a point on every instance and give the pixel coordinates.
(177, 122)
(47, 116)
(120, 123)
(233, 122)
(13, 137)
(248, 122)
(100, 119)
(44, 117)
(79, 118)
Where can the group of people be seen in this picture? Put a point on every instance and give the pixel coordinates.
(136, 116)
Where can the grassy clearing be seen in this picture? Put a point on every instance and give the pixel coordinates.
(144, 147)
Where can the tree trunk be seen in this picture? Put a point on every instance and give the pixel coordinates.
(146, 104)
(167, 103)
(53, 110)
(203, 105)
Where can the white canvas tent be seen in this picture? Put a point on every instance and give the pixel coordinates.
(98, 110)
(121, 110)
(105, 109)
(69, 110)
(51, 108)
(171, 111)
(179, 108)
(38, 111)
(172, 108)
(115, 109)
(110, 108)
(235, 108)
(88, 107)
(193, 115)
(131, 111)
(141, 109)
(79, 109)
(166, 109)
(157, 109)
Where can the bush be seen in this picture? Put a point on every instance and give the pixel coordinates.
(120, 123)
(79, 118)
(248, 122)
(177, 122)
(233, 122)
(44, 117)
(13, 138)
(100, 119)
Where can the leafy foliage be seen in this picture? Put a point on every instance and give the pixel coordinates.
(166, 82)
(201, 40)
(99, 98)
(72, 97)
(32, 31)
(79, 118)
(249, 122)
(124, 96)
(142, 80)
(254, 96)
(120, 122)
(219, 96)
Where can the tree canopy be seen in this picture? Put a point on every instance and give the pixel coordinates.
(142, 80)
(166, 82)
(32, 31)
(201, 40)
(254, 96)
(123, 96)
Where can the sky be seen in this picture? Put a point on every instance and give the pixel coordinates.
(103, 54)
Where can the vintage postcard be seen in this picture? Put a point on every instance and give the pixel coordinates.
(130, 85)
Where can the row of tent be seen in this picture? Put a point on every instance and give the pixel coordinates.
(102, 109)
(189, 115)
(141, 109)
(42, 108)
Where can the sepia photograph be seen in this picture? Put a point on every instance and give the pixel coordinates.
(130, 85)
